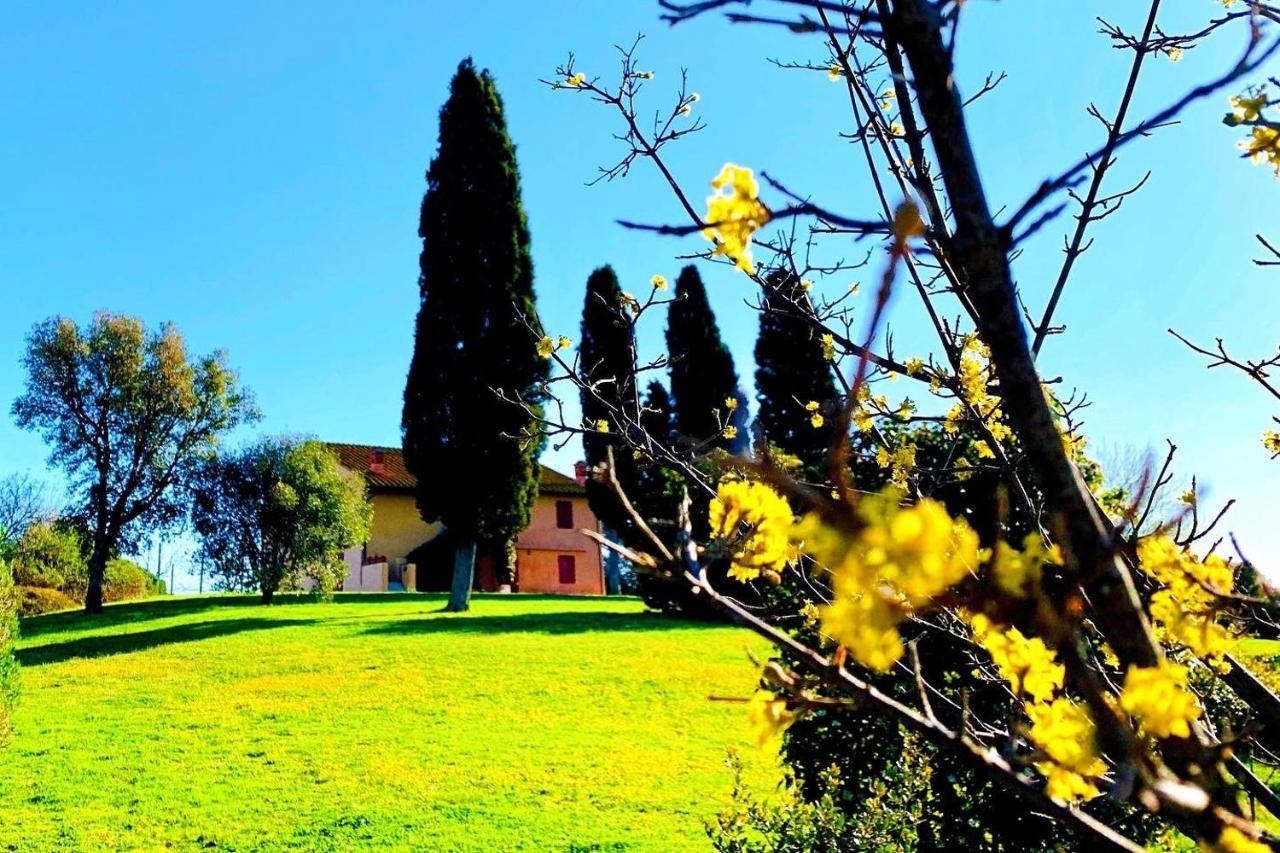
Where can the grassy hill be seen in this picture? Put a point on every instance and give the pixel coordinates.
(373, 722)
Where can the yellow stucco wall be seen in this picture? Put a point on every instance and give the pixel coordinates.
(397, 528)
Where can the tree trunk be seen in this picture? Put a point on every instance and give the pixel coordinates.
(268, 592)
(612, 566)
(464, 572)
(97, 574)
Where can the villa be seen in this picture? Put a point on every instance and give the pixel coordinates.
(404, 552)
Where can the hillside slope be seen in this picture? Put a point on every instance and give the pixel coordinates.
(373, 722)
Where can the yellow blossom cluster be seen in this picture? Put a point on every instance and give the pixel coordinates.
(1030, 667)
(754, 522)
(900, 461)
(1271, 441)
(829, 347)
(901, 559)
(1185, 608)
(1061, 728)
(1064, 731)
(1263, 142)
(1019, 572)
(547, 345)
(734, 214)
(768, 717)
(816, 420)
(973, 378)
(1232, 840)
(576, 80)
(1159, 699)
(659, 282)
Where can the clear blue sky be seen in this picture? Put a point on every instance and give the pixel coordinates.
(252, 172)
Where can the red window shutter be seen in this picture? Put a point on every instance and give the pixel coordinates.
(564, 515)
(568, 569)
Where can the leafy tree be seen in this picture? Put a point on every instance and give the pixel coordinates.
(702, 372)
(792, 374)
(128, 415)
(473, 351)
(276, 510)
(608, 365)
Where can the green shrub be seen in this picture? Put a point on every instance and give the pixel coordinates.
(792, 822)
(48, 555)
(124, 579)
(8, 663)
(34, 600)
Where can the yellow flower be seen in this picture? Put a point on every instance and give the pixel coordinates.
(1271, 441)
(563, 342)
(694, 98)
(546, 346)
(659, 282)
(816, 420)
(1174, 54)
(1248, 109)
(834, 72)
(730, 432)
(754, 523)
(602, 425)
(1019, 572)
(1185, 609)
(686, 109)
(1232, 840)
(914, 366)
(576, 80)
(900, 461)
(645, 75)
(812, 406)
(1064, 731)
(1030, 667)
(1158, 697)
(734, 214)
(1188, 497)
(806, 285)
(768, 717)
(900, 559)
(731, 403)
(828, 347)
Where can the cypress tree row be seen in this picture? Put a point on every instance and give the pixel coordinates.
(791, 375)
(607, 363)
(471, 341)
(702, 373)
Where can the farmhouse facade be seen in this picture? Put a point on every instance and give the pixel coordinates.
(404, 552)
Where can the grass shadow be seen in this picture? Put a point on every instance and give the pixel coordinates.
(536, 623)
(97, 646)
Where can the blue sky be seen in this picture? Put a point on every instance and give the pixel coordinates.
(252, 172)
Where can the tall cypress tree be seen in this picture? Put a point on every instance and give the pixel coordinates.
(607, 364)
(471, 345)
(791, 373)
(702, 373)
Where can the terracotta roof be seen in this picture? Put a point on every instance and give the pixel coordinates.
(395, 476)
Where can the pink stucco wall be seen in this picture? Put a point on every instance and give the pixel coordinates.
(539, 546)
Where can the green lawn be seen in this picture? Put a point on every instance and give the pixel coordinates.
(374, 722)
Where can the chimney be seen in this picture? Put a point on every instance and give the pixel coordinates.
(376, 465)
(580, 473)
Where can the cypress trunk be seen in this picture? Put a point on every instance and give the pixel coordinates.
(464, 572)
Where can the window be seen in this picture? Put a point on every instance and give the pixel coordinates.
(568, 569)
(564, 515)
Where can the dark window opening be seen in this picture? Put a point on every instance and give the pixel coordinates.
(568, 569)
(564, 515)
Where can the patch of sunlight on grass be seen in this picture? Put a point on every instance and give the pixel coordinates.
(374, 722)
